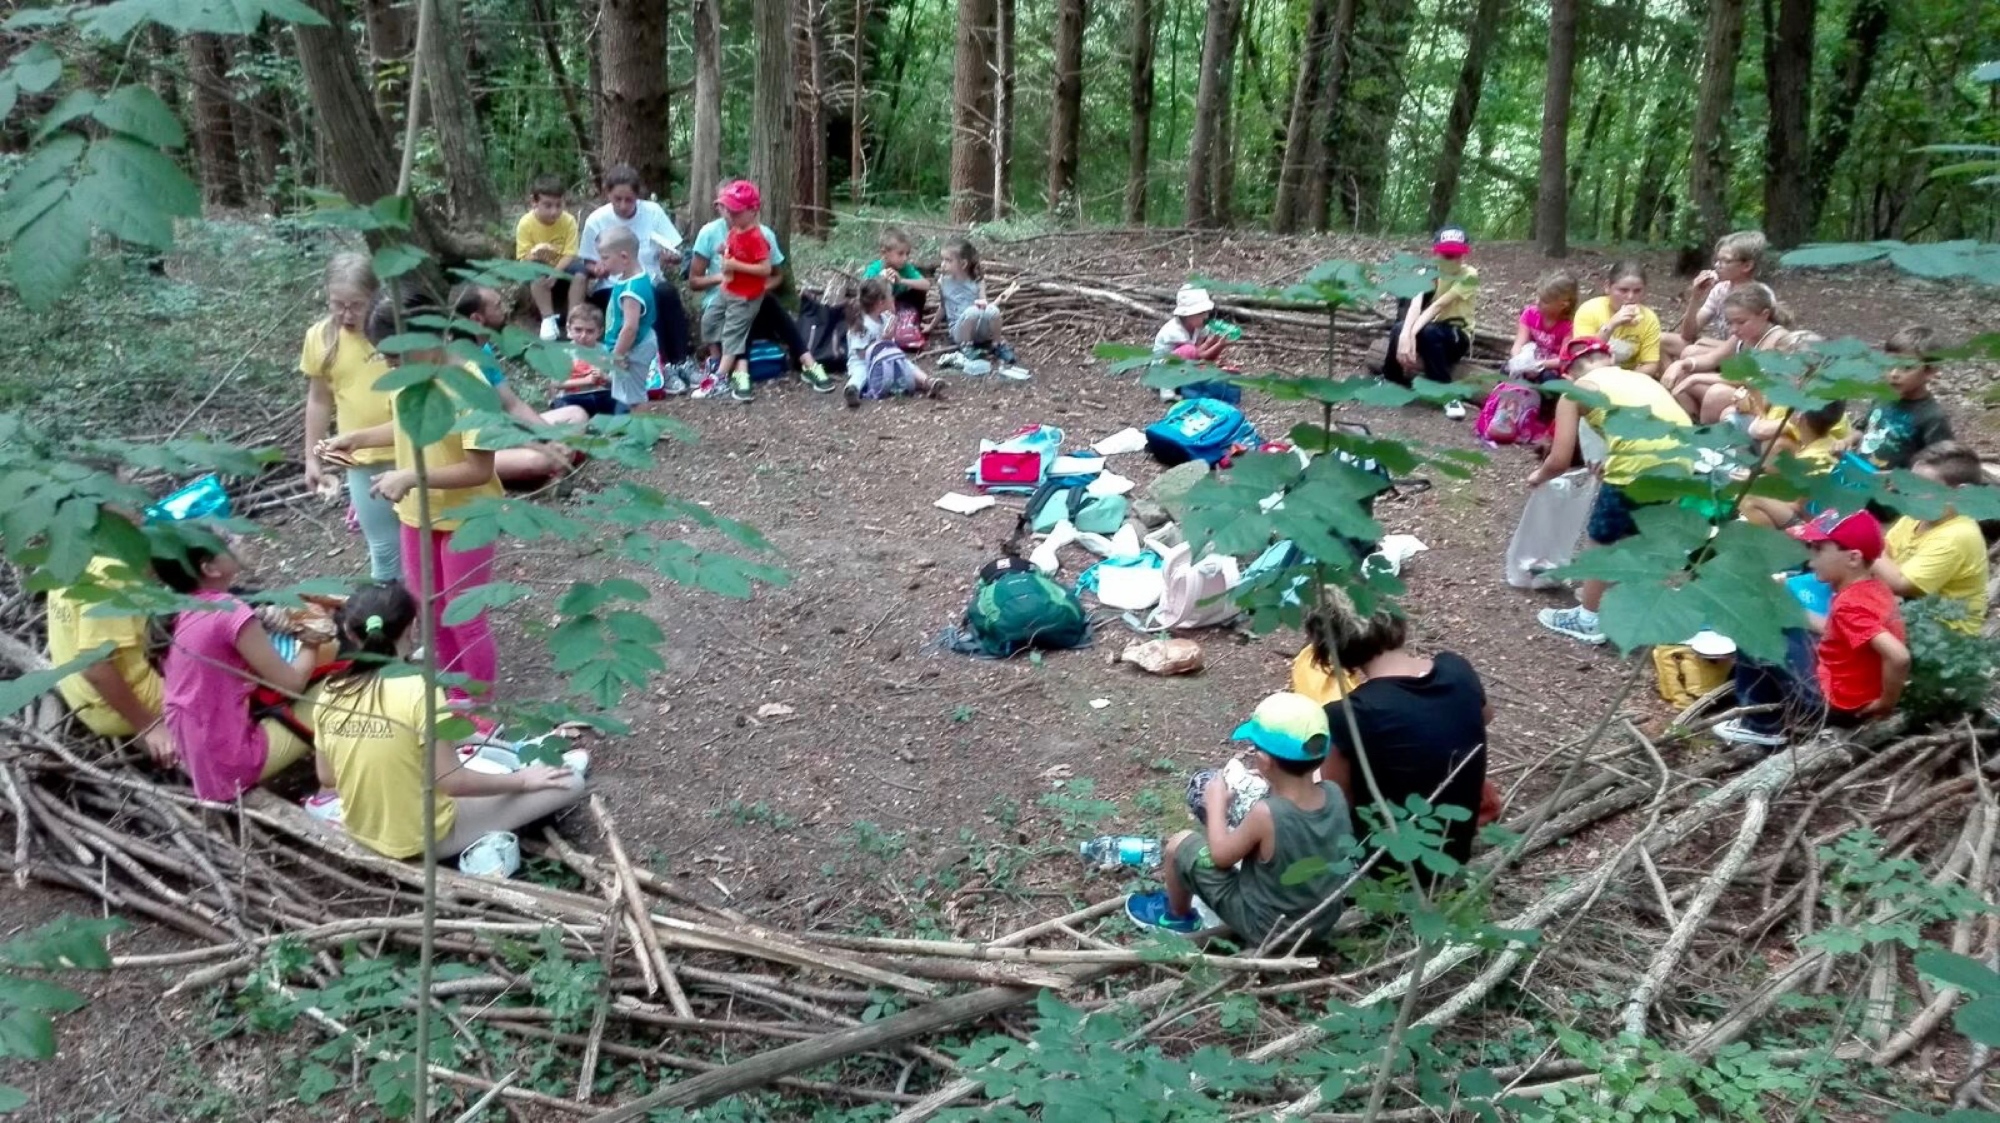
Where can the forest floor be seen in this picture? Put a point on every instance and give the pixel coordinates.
(903, 788)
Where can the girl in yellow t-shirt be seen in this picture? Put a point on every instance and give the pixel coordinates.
(1621, 319)
(341, 369)
(368, 736)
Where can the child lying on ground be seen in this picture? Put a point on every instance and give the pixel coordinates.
(1249, 874)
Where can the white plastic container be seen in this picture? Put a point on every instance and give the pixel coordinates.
(493, 854)
(1551, 525)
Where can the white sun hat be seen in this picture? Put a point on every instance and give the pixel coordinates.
(1192, 301)
(1711, 644)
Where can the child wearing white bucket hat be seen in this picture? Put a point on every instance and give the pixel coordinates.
(1187, 335)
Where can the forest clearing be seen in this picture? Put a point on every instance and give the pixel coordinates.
(772, 835)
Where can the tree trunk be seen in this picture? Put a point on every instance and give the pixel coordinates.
(1479, 35)
(814, 215)
(1788, 60)
(216, 150)
(1066, 112)
(1552, 201)
(1324, 121)
(705, 158)
(972, 97)
(857, 162)
(1139, 142)
(1853, 67)
(456, 120)
(1218, 47)
(632, 50)
(772, 160)
(1005, 115)
(1286, 209)
(1222, 163)
(545, 28)
(1360, 152)
(392, 35)
(160, 76)
(1708, 167)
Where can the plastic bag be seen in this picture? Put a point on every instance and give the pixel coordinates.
(1551, 525)
(1164, 656)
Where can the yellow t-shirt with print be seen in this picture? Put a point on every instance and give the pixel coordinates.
(370, 737)
(352, 368)
(1946, 560)
(1453, 297)
(1642, 334)
(1626, 458)
(444, 453)
(531, 232)
(75, 628)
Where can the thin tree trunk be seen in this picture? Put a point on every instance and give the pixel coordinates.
(1139, 142)
(1286, 208)
(1066, 112)
(1324, 122)
(972, 131)
(1480, 34)
(456, 120)
(705, 158)
(1708, 168)
(392, 31)
(1005, 49)
(545, 29)
(1788, 60)
(161, 75)
(216, 150)
(857, 174)
(1367, 117)
(814, 216)
(1222, 166)
(1593, 126)
(772, 160)
(1552, 202)
(632, 50)
(1853, 67)
(1218, 47)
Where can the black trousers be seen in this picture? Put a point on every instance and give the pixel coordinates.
(1439, 347)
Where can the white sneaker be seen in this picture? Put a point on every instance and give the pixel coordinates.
(951, 359)
(1455, 410)
(551, 328)
(1578, 623)
(1738, 732)
(1167, 394)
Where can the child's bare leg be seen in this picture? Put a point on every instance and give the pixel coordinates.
(1762, 510)
(566, 415)
(1180, 898)
(1592, 594)
(1671, 346)
(1715, 401)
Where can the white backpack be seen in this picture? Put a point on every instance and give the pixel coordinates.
(1197, 591)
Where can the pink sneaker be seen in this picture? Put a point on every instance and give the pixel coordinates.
(353, 520)
(324, 806)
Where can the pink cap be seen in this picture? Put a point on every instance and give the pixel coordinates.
(739, 195)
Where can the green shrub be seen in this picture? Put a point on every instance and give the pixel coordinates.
(1951, 673)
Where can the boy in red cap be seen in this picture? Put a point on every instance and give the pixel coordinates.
(1434, 333)
(746, 265)
(1862, 660)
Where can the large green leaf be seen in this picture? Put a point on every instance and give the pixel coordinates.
(1834, 253)
(136, 111)
(10, 94)
(496, 594)
(74, 105)
(27, 1034)
(426, 412)
(35, 69)
(16, 694)
(396, 260)
(48, 252)
(1979, 1020)
(35, 994)
(12, 1099)
(119, 19)
(1961, 971)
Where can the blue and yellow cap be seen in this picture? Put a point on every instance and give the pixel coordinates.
(1285, 725)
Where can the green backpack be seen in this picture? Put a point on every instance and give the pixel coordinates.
(1016, 608)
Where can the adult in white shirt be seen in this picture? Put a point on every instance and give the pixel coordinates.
(646, 220)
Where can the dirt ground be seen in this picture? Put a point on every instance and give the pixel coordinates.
(886, 729)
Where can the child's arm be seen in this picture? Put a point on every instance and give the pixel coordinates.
(124, 701)
(474, 471)
(323, 771)
(456, 780)
(1692, 318)
(1895, 673)
(918, 283)
(1562, 443)
(1520, 339)
(628, 332)
(747, 268)
(319, 417)
(1226, 847)
(515, 407)
(375, 436)
(254, 644)
(1210, 348)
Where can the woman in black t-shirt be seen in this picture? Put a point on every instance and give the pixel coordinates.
(1416, 717)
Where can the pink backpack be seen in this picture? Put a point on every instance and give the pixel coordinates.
(1512, 416)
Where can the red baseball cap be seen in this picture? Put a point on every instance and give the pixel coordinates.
(1858, 532)
(1583, 345)
(739, 195)
(1451, 242)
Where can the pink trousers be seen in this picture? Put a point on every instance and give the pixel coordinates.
(466, 648)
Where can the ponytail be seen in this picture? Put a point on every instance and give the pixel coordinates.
(371, 626)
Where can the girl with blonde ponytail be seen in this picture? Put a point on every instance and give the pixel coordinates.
(341, 369)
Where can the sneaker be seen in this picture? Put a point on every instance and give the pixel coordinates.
(739, 386)
(935, 391)
(551, 328)
(975, 367)
(1003, 354)
(324, 806)
(674, 386)
(952, 359)
(1455, 410)
(816, 377)
(1168, 394)
(710, 386)
(852, 394)
(1577, 623)
(1149, 910)
(1736, 731)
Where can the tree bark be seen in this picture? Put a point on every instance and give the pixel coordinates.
(1788, 61)
(771, 128)
(1218, 48)
(1552, 201)
(216, 150)
(705, 158)
(1853, 67)
(456, 120)
(1066, 112)
(1325, 120)
(632, 50)
(1479, 36)
(545, 30)
(1139, 142)
(1708, 168)
(392, 35)
(1005, 115)
(857, 156)
(809, 159)
(1367, 116)
(972, 98)
(1286, 208)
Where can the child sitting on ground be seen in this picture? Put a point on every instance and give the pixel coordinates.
(1942, 557)
(548, 235)
(1543, 329)
(1737, 257)
(1810, 435)
(1897, 431)
(1188, 336)
(907, 283)
(1431, 334)
(746, 266)
(876, 366)
(369, 739)
(482, 307)
(1620, 318)
(119, 696)
(1250, 874)
(972, 321)
(1861, 663)
(588, 387)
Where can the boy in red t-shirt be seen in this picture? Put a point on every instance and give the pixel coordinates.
(746, 270)
(1861, 663)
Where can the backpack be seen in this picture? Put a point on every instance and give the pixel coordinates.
(766, 359)
(823, 326)
(1054, 502)
(1199, 429)
(1197, 591)
(1512, 416)
(890, 371)
(1014, 608)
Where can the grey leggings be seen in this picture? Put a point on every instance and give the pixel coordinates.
(479, 814)
(379, 524)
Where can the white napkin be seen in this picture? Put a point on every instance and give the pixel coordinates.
(1125, 440)
(963, 504)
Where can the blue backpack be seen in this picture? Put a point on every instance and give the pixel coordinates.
(767, 359)
(1199, 429)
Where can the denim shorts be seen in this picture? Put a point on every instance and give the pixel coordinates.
(1611, 516)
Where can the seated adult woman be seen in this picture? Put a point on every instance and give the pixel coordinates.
(368, 733)
(1756, 322)
(1411, 726)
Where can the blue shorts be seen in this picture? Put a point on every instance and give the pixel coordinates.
(1611, 516)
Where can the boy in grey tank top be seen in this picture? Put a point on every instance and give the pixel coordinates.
(1301, 827)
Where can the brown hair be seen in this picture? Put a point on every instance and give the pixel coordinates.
(893, 238)
(1913, 342)
(1758, 299)
(1748, 245)
(1955, 464)
(588, 311)
(1559, 285)
(548, 186)
(1343, 639)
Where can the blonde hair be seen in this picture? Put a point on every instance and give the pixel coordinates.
(618, 239)
(344, 271)
(1559, 285)
(1757, 298)
(1746, 245)
(893, 238)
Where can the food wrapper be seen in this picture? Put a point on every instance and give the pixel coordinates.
(1245, 789)
(311, 622)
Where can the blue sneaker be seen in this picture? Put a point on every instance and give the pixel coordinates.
(1149, 910)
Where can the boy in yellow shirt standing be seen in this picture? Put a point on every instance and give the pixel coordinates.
(117, 696)
(1944, 557)
(547, 235)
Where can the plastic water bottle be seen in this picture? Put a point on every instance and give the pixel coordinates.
(1108, 852)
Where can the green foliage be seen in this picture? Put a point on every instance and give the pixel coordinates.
(1076, 805)
(1951, 671)
(1886, 899)
(27, 1032)
(1638, 1079)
